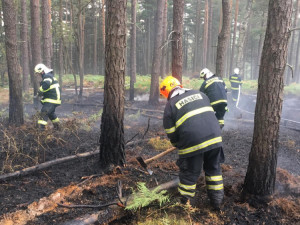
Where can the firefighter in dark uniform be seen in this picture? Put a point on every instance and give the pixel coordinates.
(192, 127)
(235, 82)
(215, 88)
(50, 92)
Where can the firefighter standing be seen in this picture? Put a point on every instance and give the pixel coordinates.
(235, 82)
(192, 127)
(50, 92)
(215, 88)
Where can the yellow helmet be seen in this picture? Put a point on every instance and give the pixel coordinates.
(167, 85)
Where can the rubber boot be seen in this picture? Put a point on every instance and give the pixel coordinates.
(216, 198)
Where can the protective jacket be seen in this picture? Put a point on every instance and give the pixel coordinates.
(190, 123)
(215, 88)
(50, 89)
(235, 81)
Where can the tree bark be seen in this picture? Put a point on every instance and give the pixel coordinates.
(223, 38)
(261, 172)
(14, 73)
(177, 61)
(234, 36)
(24, 45)
(35, 42)
(205, 36)
(112, 126)
(46, 32)
(154, 88)
(133, 50)
(242, 37)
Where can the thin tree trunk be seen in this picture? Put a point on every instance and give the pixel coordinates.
(46, 28)
(24, 45)
(154, 88)
(35, 42)
(234, 36)
(61, 44)
(177, 61)
(14, 74)
(197, 38)
(164, 37)
(223, 38)
(242, 36)
(261, 173)
(95, 61)
(205, 35)
(133, 49)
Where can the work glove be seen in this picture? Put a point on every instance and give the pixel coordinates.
(40, 93)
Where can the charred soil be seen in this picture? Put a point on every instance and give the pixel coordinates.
(34, 198)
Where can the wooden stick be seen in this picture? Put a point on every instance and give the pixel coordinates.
(160, 155)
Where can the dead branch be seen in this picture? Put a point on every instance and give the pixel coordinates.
(146, 131)
(90, 206)
(114, 212)
(57, 161)
(47, 164)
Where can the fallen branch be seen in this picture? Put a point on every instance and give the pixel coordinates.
(152, 116)
(55, 162)
(114, 212)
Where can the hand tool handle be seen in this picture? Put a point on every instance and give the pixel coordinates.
(160, 155)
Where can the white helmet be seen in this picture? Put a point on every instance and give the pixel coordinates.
(40, 68)
(206, 72)
(236, 70)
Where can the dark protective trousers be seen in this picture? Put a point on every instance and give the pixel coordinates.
(190, 170)
(48, 111)
(220, 110)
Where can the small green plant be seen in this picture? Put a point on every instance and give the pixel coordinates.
(144, 196)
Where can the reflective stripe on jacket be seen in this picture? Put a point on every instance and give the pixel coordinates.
(215, 89)
(50, 89)
(191, 124)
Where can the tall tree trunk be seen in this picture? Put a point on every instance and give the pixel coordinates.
(154, 88)
(242, 36)
(261, 172)
(46, 31)
(95, 61)
(35, 43)
(103, 32)
(177, 61)
(260, 46)
(164, 37)
(297, 73)
(196, 58)
(223, 38)
(14, 73)
(234, 36)
(81, 24)
(292, 46)
(209, 56)
(205, 35)
(24, 45)
(61, 44)
(112, 144)
(133, 49)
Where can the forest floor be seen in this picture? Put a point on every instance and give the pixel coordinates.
(34, 198)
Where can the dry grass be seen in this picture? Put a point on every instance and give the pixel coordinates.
(160, 144)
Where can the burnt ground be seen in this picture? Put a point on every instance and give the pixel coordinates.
(32, 199)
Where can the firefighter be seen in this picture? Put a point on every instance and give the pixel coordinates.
(192, 127)
(50, 92)
(236, 83)
(215, 88)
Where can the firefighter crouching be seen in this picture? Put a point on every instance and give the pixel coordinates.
(192, 127)
(215, 89)
(50, 92)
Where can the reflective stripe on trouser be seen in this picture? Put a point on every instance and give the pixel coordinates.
(42, 122)
(187, 190)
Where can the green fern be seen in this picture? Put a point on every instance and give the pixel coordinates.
(144, 196)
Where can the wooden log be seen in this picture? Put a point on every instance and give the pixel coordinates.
(56, 162)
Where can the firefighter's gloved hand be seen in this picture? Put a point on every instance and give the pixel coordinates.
(40, 93)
